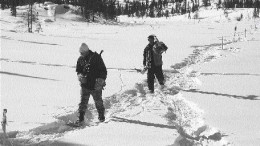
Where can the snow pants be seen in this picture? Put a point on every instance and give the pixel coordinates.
(152, 72)
(97, 96)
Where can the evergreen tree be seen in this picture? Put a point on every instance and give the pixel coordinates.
(219, 4)
(167, 13)
(205, 2)
(87, 9)
(3, 4)
(111, 9)
(256, 8)
(147, 4)
(13, 4)
(118, 9)
(126, 10)
(172, 11)
(143, 9)
(151, 9)
(165, 3)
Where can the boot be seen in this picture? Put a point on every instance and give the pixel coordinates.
(101, 116)
(81, 117)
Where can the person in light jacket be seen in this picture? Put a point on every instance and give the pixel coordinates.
(152, 61)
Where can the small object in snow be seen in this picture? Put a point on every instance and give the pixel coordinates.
(75, 124)
(216, 136)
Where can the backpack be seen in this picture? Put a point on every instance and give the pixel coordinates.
(86, 67)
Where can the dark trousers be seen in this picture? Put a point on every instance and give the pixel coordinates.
(97, 96)
(152, 72)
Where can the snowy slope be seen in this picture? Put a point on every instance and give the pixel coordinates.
(40, 90)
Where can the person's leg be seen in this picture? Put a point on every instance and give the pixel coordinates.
(159, 74)
(85, 94)
(150, 79)
(97, 96)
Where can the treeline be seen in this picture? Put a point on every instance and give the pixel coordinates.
(241, 3)
(227, 4)
(88, 8)
(110, 9)
(156, 8)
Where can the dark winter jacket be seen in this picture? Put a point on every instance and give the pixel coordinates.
(95, 69)
(151, 58)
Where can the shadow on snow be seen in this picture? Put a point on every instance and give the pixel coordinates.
(26, 76)
(8, 38)
(239, 74)
(249, 97)
(118, 119)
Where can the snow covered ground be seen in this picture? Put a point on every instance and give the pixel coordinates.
(211, 90)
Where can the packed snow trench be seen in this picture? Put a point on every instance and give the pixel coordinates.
(41, 92)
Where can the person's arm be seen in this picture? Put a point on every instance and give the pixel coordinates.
(102, 74)
(78, 67)
(79, 70)
(102, 70)
(145, 56)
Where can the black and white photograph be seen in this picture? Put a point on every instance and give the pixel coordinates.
(130, 72)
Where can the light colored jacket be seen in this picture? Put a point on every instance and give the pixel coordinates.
(151, 57)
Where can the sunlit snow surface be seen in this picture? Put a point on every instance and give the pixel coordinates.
(39, 86)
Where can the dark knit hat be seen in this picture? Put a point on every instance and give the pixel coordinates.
(151, 36)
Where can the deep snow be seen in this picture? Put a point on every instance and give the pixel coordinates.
(40, 89)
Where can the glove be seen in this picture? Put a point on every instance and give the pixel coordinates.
(144, 70)
(100, 84)
(82, 78)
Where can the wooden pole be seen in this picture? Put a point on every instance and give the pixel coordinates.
(29, 19)
(245, 33)
(30, 16)
(222, 43)
(3, 123)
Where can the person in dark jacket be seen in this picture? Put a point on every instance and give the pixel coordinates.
(92, 73)
(152, 61)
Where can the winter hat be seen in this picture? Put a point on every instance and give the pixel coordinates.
(151, 36)
(83, 48)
